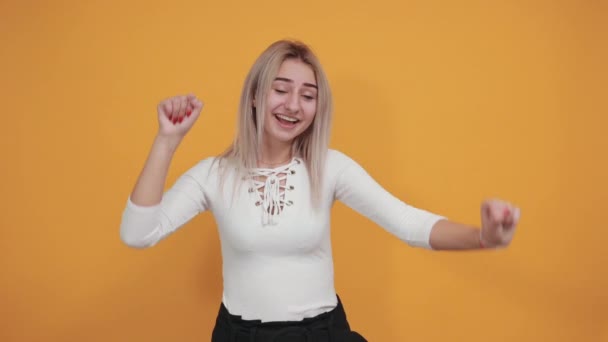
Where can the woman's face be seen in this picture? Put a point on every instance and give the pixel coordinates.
(291, 103)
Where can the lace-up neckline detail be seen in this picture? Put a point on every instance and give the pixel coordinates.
(270, 185)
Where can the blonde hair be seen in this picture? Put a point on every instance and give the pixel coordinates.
(311, 146)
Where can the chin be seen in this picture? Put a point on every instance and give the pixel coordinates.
(283, 138)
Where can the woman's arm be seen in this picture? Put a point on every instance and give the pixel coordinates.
(148, 189)
(449, 235)
(176, 116)
(499, 221)
(359, 191)
(416, 226)
(150, 215)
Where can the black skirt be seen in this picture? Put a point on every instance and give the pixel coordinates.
(331, 326)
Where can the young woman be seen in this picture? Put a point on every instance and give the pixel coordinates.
(271, 194)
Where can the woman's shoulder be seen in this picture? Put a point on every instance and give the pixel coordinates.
(341, 164)
(206, 163)
(337, 158)
(204, 167)
(338, 161)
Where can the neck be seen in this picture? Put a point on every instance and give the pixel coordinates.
(275, 154)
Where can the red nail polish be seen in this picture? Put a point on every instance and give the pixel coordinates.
(181, 119)
(188, 112)
(175, 121)
(170, 116)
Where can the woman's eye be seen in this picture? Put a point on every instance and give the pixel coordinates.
(280, 91)
(308, 97)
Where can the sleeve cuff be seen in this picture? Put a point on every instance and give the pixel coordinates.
(424, 240)
(143, 209)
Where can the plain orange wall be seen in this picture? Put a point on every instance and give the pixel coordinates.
(444, 102)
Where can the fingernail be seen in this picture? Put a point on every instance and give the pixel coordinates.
(181, 119)
(188, 112)
(175, 121)
(170, 116)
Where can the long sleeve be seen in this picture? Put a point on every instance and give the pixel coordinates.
(359, 191)
(145, 226)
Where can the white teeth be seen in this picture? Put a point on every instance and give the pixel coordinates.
(287, 118)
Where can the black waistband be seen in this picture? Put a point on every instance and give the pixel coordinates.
(322, 327)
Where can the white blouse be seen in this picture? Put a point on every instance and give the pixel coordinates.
(276, 248)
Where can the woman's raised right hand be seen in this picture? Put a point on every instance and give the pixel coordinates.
(176, 115)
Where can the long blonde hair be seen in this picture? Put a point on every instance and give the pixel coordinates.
(311, 146)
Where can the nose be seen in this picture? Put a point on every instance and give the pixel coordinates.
(293, 102)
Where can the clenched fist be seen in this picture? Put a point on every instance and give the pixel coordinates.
(499, 220)
(177, 114)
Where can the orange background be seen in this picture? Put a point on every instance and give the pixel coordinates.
(444, 102)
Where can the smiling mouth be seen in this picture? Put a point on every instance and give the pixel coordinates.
(286, 120)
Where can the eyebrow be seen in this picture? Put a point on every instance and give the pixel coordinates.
(291, 81)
